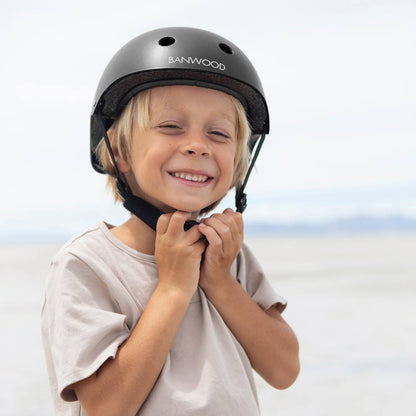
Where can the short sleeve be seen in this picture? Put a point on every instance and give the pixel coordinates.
(81, 323)
(253, 280)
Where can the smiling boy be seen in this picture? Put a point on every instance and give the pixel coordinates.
(184, 159)
(145, 320)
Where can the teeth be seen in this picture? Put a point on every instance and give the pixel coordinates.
(189, 177)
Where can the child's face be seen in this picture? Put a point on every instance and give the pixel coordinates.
(185, 159)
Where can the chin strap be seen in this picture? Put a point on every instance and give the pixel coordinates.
(240, 196)
(147, 212)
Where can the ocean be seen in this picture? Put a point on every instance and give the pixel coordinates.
(352, 304)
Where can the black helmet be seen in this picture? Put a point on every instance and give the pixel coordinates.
(171, 56)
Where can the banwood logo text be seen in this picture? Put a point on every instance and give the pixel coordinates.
(197, 61)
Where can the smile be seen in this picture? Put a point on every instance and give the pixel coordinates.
(190, 177)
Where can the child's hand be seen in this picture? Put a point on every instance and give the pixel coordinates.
(178, 253)
(224, 233)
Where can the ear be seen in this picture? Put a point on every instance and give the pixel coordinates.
(122, 165)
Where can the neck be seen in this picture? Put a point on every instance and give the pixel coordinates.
(137, 235)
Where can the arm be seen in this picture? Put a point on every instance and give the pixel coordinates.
(269, 342)
(121, 385)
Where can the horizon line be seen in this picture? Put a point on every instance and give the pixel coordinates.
(362, 223)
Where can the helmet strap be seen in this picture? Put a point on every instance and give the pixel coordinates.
(240, 196)
(147, 212)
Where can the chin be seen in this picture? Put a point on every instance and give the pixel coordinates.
(191, 206)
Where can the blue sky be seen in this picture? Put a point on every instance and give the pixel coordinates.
(338, 75)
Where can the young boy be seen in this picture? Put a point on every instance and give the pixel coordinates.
(163, 315)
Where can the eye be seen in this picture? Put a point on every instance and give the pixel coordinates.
(221, 136)
(219, 133)
(169, 126)
(170, 129)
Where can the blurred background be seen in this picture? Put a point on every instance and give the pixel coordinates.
(332, 202)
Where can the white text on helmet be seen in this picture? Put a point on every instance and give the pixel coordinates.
(198, 61)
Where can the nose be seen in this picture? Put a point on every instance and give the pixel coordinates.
(196, 144)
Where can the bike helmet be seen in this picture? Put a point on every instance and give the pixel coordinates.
(176, 56)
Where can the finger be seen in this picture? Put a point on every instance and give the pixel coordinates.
(163, 223)
(214, 239)
(193, 234)
(229, 213)
(235, 221)
(227, 225)
(227, 216)
(177, 222)
(221, 227)
(201, 245)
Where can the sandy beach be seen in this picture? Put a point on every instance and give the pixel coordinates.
(352, 303)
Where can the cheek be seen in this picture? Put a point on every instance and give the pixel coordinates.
(228, 163)
(233, 157)
(145, 158)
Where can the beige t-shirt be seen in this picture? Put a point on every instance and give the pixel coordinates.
(97, 290)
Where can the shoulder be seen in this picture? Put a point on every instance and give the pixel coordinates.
(253, 279)
(82, 259)
(96, 248)
(95, 265)
(81, 278)
(246, 267)
(246, 260)
(85, 243)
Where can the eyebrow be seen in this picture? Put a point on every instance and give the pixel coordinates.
(228, 117)
(220, 115)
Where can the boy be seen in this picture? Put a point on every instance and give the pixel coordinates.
(162, 314)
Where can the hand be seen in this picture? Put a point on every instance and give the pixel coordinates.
(224, 233)
(178, 253)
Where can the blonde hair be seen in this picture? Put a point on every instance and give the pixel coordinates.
(138, 111)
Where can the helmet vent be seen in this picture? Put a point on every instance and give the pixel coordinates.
(225, 48)
(167, 41)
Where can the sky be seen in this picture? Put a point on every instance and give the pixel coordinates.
(338, 77)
